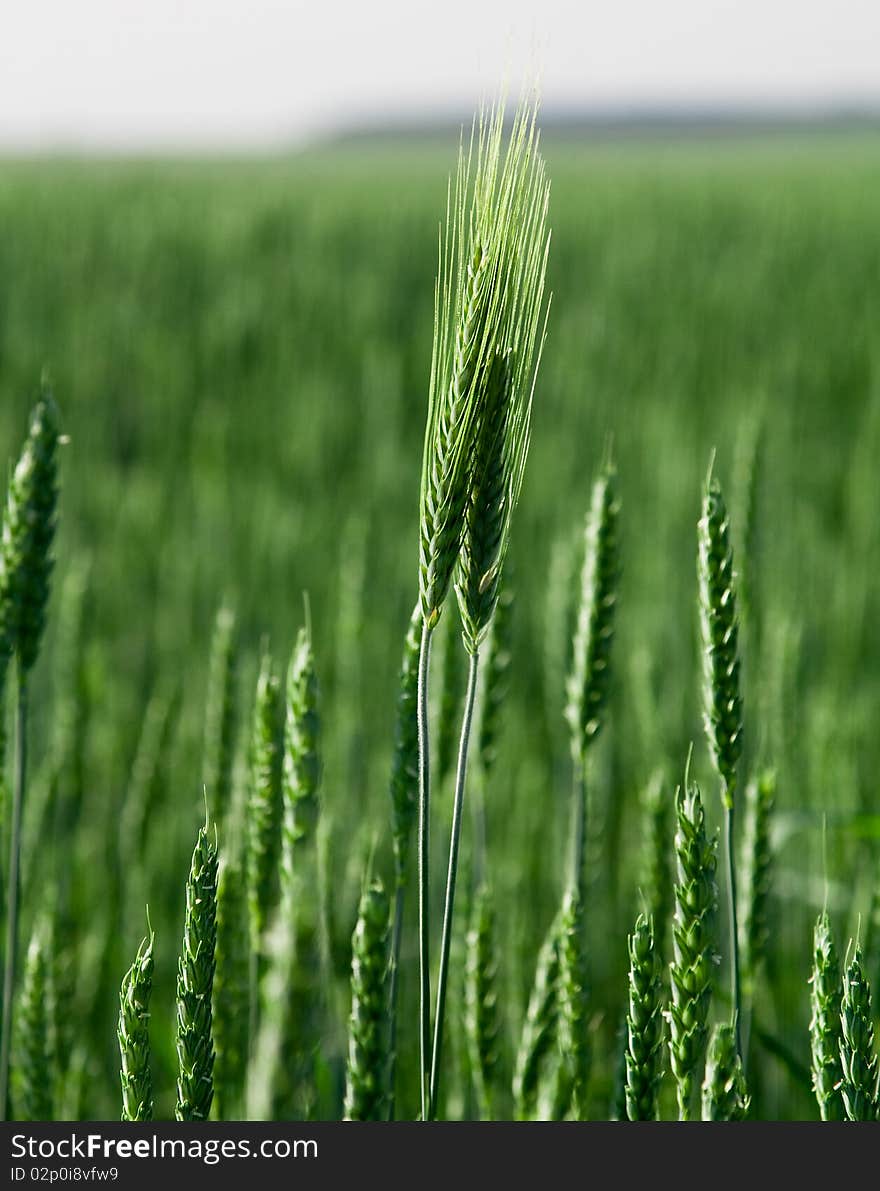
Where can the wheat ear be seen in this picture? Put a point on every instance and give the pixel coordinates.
(858, 1056)
(693, 935)
(195, 981)
(722, 704)
(133, 1034)
(644, 1024)
(25, 570)
(367, 1071)
(826, 993)
(724, 1087)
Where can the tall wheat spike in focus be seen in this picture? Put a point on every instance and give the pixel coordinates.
(488, 333)
(722, 704)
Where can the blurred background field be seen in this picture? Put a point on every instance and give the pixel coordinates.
(240, 350)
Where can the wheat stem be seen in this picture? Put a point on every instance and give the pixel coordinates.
(424, 867)
(13, 890)
(393, 984)
(452, 872)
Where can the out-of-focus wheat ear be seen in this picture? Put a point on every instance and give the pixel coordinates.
(644, 1024)
(657, 882)
(757, 866)
(403, 788)
(748, 471)
(574, 1038)
(482, 1022)
(28, 532)
(858, 1056)
(25, 570)
(404, 782)
(195, 982)
(366, 1084)
(133, 1033)
(588, 680)
(264, 808)
(826, 993)
(594, 631)
(693, 937)
(540, 1027)
(293, 943)
(221, 716)
(34, 1070)
(231, 992)
(147, 787)
(302, 755)
(725, 1097)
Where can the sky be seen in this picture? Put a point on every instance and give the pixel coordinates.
(153, 74)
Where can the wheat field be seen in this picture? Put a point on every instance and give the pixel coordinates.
(240, 355)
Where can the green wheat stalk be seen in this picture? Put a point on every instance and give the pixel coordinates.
(195, 981)
(644, 1025)
(25, 570)
(722, 704)
(489, 318)
(133, 1034)
(693, 935)
(367, 1069)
